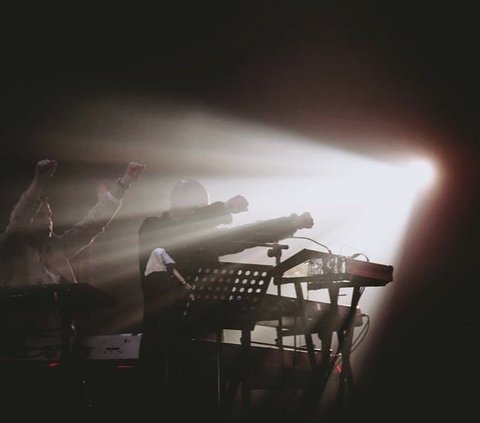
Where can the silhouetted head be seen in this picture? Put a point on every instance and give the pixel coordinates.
(188, 194)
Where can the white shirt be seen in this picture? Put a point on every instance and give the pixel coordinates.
(158, 260)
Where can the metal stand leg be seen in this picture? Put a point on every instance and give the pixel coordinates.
(245, 368)
(220, 381)
(69, 356)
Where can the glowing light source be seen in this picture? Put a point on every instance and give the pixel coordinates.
(421, 171)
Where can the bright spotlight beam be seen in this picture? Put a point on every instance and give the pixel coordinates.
(421, 171)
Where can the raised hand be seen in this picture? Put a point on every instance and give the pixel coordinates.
(305, 220)
(133, 171)
(237, 204)
(45, 169)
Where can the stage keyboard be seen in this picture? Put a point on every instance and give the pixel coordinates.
(118, 347)
(71, 297)
(326, 270)
(319, 314)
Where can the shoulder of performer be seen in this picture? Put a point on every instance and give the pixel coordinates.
(152, 220)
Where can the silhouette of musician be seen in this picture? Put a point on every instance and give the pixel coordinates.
(31, 254)
(172, 247)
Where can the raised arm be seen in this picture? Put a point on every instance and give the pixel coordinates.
(237, 204)
(132, 172)
(242, 237)
(178, 235)
(44, 171)
(27, 206)
(102, 213)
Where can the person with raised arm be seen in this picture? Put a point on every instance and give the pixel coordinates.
(32, 254)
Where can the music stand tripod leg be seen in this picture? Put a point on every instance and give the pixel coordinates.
(69, 355)
(246, 389)
(220, 381)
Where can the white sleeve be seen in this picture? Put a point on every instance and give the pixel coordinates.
(158, 260)
(114, 199)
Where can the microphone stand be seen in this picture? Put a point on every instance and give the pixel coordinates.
(276, 252)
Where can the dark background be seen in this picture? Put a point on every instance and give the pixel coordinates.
(336, 70)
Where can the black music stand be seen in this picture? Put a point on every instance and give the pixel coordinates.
(226, 296)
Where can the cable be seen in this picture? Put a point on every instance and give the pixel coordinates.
(362, 334)
(310, 239)
(358, 255)
(357, 341)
